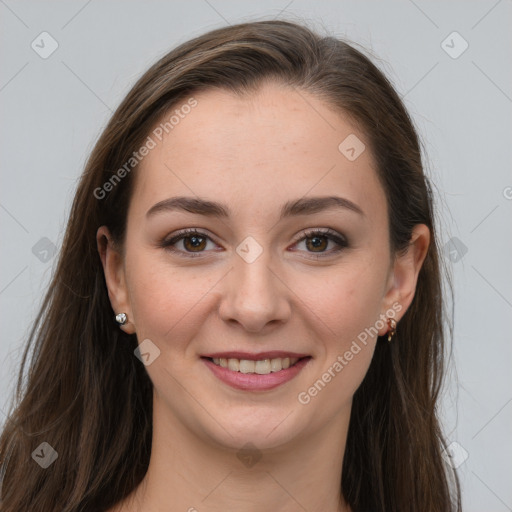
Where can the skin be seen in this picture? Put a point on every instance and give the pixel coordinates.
(254, 153)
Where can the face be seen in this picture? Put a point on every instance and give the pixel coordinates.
(315, 283)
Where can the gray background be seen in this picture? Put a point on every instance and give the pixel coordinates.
(53, 109)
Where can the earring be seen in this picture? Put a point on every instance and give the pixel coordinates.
(121, 318)
(392, 329)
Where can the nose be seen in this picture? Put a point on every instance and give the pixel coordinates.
(255, 295)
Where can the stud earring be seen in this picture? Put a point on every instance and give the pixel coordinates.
(121, 318)
(392, 329)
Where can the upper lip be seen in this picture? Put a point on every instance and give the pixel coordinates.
(273, 354)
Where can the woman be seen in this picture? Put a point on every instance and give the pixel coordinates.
(247, 311)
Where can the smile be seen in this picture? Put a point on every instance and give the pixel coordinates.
(261, 366)
(256, 374)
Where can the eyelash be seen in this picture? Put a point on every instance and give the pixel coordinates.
(328, 233)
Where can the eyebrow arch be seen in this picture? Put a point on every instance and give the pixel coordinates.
(302, 206)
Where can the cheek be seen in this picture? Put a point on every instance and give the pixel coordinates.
(350, 309)
(346, 299)
(348, 303)
(164, 300)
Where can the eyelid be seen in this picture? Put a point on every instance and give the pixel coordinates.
(309, 232)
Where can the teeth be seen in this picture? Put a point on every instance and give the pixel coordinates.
(233, 365)
(261, 367)
(275, 365)
(247, 366)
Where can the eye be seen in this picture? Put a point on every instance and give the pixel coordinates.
(317, 241)
(194, 242)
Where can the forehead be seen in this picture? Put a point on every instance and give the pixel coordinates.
(256, 150)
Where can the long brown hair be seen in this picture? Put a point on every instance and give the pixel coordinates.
(90, 398)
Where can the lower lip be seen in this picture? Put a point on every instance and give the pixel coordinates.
(254, 381)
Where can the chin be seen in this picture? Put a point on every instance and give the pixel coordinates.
(263, 430)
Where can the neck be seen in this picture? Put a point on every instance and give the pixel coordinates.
(196, 474)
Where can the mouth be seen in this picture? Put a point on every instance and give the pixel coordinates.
(255, 372)
(257, 366)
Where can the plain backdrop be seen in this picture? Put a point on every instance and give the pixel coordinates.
(450, 61)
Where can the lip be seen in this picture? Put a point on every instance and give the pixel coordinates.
(254, 381)
(273, 354)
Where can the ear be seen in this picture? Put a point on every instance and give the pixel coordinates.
(403, 276)
(115, 278)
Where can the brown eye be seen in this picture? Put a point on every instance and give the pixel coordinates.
(317, 241)
(194, 243)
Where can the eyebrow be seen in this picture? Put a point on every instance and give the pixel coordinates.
(302, 206)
